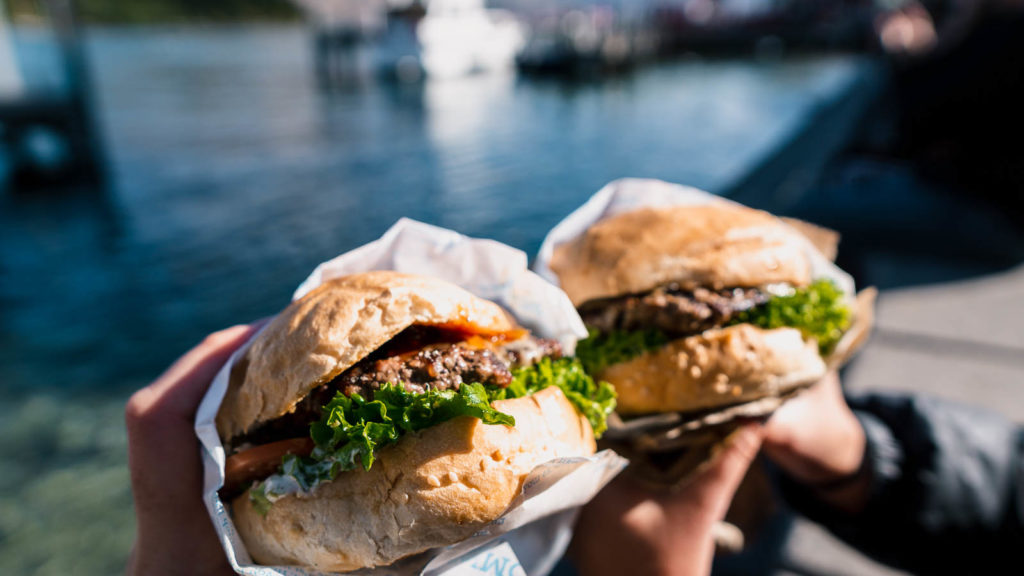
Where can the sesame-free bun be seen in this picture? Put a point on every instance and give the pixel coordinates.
(433, 488)
(720, 245)
(719, 367)
(334, 326)
(714, 246)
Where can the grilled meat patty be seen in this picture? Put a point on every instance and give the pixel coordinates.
(440, 367)
(670, 309)
(420, 358)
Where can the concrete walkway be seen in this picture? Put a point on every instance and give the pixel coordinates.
(962, 340)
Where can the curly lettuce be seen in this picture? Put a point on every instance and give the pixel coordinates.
(602, 349)
(818, 311)
(594, 400)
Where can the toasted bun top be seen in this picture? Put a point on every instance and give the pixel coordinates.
(331, 328)
(714, 245)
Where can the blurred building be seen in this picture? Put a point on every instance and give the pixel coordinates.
(729, 25)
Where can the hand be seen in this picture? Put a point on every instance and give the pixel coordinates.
(906, 32)
(816, 440)
(629, 529)
(174, 532)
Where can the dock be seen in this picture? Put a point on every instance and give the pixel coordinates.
(49, 135)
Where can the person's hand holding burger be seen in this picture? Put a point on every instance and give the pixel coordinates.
(817, 441)
(385, 471)
(630, 528)
(174, 534)
(704, 316)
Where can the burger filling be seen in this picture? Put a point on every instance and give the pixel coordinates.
(671, 310)
(627, 326)
(424, 376)
(447, 366)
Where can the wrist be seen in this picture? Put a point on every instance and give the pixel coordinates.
(834, 453)
(848, 491)
(849, 457)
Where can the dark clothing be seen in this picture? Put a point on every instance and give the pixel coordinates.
(947, 488)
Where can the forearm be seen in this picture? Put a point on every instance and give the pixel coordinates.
(944, 487)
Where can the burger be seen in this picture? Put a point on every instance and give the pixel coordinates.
(703, 315)
(385, 414)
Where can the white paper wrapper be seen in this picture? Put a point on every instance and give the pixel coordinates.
(672, 431)
(535, 531)
(630, 194)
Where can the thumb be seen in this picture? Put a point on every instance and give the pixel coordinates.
(716, 485)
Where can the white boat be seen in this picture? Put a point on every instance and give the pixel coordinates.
(450, 38)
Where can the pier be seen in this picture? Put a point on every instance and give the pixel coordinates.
(49, 134)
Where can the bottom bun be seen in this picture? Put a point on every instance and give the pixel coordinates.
(433, 488)
(716, 368)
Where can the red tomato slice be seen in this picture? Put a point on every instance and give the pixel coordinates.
(241, 469)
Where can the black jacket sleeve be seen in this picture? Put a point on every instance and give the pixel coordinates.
(947, 491)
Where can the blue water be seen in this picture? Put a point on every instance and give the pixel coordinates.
(232, 175)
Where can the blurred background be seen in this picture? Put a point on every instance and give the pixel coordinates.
(172, 167)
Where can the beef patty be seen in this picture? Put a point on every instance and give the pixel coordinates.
(671, 309)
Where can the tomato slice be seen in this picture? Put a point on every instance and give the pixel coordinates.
(468, 331)
(241, 469)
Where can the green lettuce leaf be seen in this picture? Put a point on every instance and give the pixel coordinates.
(817, 310)
(352, 428)
(602, 349)
(594, 400)
(260, 500)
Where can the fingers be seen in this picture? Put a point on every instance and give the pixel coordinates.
(714, 487)
(177, 392)
(794, 417)
(740, 450)
(164, 461)
(630, 529)
(159, 417)
(815, 436)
